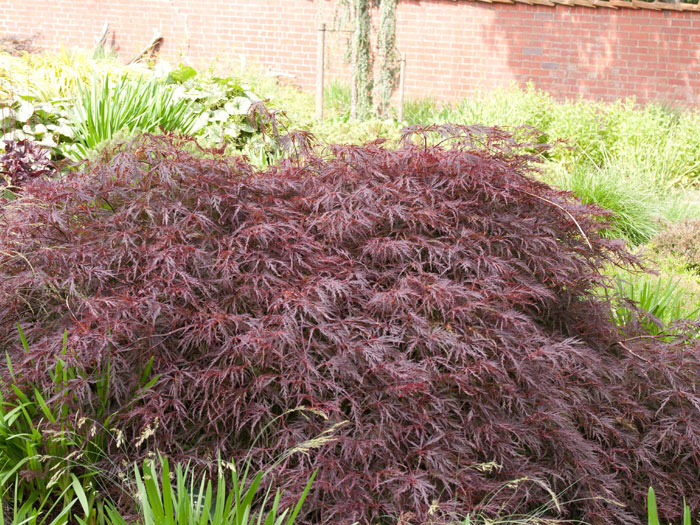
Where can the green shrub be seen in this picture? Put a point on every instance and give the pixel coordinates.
(221, 105)
(44, 77)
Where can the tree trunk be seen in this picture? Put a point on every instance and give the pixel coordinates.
(362, 59)
(386, 51)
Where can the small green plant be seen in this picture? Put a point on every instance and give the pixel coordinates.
(653, 513)
(47, 456)
(182, 74)
(637, 210)
(36, 508)
(663, 297)
(337, 96)
(192, 499)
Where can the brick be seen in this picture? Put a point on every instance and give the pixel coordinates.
(452, 48)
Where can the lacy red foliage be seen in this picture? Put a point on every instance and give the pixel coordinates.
(438, 300)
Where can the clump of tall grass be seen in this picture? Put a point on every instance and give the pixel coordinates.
(110, 106)
(52, 473)
(666, 297)
(236, 497)
(639, 211)
(507, 108)
(424, 111)
(659, 142)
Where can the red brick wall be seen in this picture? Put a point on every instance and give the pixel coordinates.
(452, 47)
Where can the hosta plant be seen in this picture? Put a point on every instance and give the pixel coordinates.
(435, 304)
(222, 106)
(47, 123)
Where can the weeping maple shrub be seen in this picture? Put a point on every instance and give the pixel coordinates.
(433, 305)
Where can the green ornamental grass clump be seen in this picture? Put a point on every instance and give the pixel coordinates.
(637, 211)
(667, 298)
(112, 105)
